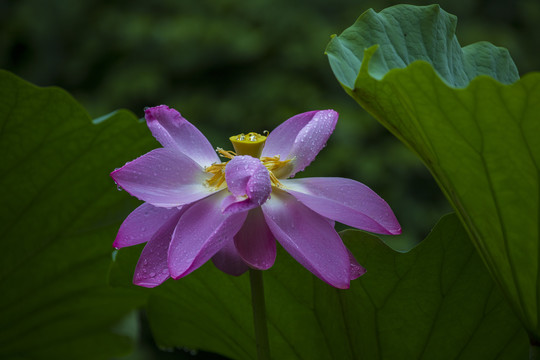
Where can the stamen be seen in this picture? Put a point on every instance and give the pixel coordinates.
(275, 180)
(274, 164)
(226, 153)
(218, 172)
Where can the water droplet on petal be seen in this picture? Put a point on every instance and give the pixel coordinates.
(145, 262)
(152, 274)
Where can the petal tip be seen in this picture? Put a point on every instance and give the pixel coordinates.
(150, 112)
(174, 272)
(344, 286)
(357, 271)
(162, 114)
(144, 283)
(117, 244)
(330, 113)
(113, 173)
(394, 229)
(263, 265)
(177, 268)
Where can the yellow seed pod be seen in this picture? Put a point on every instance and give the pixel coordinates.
(250, 144)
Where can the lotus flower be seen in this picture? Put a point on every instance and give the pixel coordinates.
(197, 208)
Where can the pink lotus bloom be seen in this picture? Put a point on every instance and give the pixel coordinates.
(199, 208)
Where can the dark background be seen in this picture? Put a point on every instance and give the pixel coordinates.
(238, 66)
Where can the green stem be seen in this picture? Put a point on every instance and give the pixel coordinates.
(259, 314)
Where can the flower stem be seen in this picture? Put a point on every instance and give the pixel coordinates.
(259, 314)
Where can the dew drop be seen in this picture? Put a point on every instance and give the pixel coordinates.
(152, 274)
(164, 271)
(145, 262)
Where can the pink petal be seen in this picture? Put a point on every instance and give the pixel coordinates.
(228, 260)
(346, 201)
(281, 140)
(163, 178)
(309, 238)
(255, 243)
(301, 138)
(142, 224)
(201, 232)
(249, 182)
(357, 270)
(152, 269)
(173, 131)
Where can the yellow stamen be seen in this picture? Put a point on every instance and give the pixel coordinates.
(275, 167)
(225, 153)
(218, 172)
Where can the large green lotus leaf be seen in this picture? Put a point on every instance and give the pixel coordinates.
(405, 34)
(473, 123)
(60, 211)
(435, 302)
